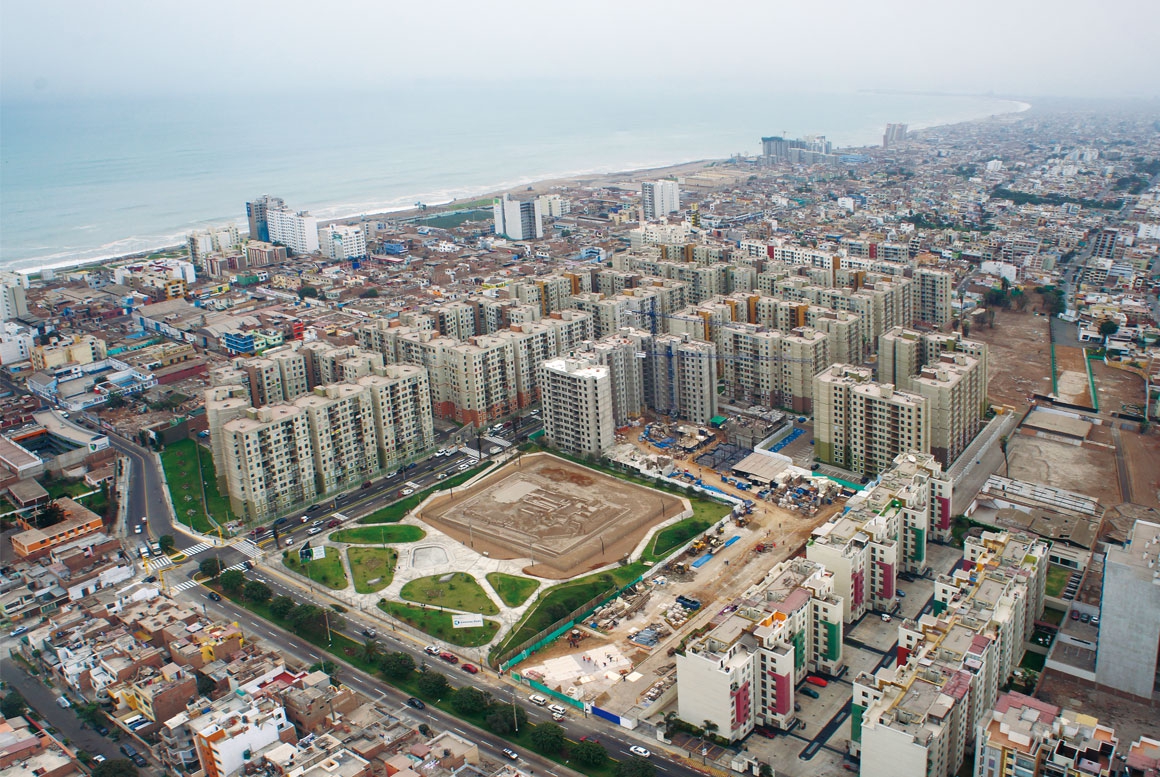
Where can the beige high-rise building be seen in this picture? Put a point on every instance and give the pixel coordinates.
(481, 380)
(935, 292)
(683, 378)
(577, 408)
(625, 365)
(269, 461)
(342, 435)
(531, 344)
(902, 353)
(401, 401)
(222, 405)
(954, 389)
(862, 425)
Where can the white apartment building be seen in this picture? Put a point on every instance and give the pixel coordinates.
(224, 741)
(298, 231)
(342, 242)
(659, 199)
(518, 220)
(13, 303)
(745, 671)
(883, 532)
(577, 405)
(918, 718)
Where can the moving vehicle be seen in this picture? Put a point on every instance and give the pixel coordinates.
(449, 657)
(370, 633)
(556, 708)
(281, 521)
(366, 484)
(214, 596)
(558, 717)
(289, 542)
(431, 650)
(470, 668)
(416, 703)
(137, 529)
(537, 700)
(16, 632)
(642, 752)
(332, 523)
(314, 530)
(463, 467)
(512, 754)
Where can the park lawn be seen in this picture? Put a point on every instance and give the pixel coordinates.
(1057, 578)
(185, 478)
(461, 592)
(397, 511)
(327, 571)
(672, 537)
(367, 564)
(383, 534)
(58, 487)
(512, 589)
(437, 623)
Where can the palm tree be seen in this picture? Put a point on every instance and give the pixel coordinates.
(710, 728)
(370, 651)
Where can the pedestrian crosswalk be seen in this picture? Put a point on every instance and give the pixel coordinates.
(183, 586)
(193, 550)
(248, 547)
(160, 562)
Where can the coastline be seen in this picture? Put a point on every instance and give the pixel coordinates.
(536, 186)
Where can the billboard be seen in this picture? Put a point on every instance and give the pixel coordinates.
(460, 621)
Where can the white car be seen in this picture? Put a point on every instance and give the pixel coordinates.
(314, 530)
(640, 751)
(289, 542)
(407, 491)
(137, 529)
(463, 467)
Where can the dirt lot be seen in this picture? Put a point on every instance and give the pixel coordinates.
(1019, 356)
(1086, 470)
(1071, 376)
(1129, 718)
(1117, 388)
(1142, 455)
(567, 518)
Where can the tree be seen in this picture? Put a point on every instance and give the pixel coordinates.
(470, 701)
(1108, 328)
(765, 770)
(167, 543)
(589, 753)
(307, 291)
(709, 727)
(49, 515)
(369, 294)
(397, 665)
(90, 713)
(635, 767)
(256, 591)
(503, 719)
(966, 328)
(12, 705)
(232, 580)
(210, 567)
(117, 767)
(205, 685)
(281, 607)
(433, 684)
(369, 650)
(308, 618)
(548, 738)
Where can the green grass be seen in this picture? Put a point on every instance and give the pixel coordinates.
(1057, 578)
(1033, 661)
(327, 571)
(512, 589)
(437, 623)
(461, 592)
(672, 537)
(1052, 615)
(367, 564)
(383, 534)
(397, 511)
(59, 487)
(185, 479)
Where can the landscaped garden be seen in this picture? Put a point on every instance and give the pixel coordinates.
(438, 624)
(327, 570)
(373, 568)
(382, 534)
(189, 468)
(458, 590)
(512, 589)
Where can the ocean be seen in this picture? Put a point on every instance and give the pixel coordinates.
(93, 179)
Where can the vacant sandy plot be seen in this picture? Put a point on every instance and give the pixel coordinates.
(567, 518)
(1085, 470)
(1071, 376)
(1019, 357)
(1142, 455)
(1119, 391)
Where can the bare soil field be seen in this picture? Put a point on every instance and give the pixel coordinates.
(567, 518)
(1142, 455)
(1085, 470)
(1019, 357)
(1117, 388)
(1071, 376)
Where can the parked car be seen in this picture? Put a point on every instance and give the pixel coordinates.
(102, 730)
(810, 692)
(313, 508)
(886, 618)
(463, 467)
(416, 703)
(470, 668)
(556, 708)
(818, 681)
(449, 657)
(150, 579)
(1075, 615)
(537, 700)
(16, 632)
(901, 594)
(63, 702)
(214, 596)
(642, 752)
(1085, 618)
(99, 759)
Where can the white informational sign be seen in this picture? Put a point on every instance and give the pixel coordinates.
(466, 621)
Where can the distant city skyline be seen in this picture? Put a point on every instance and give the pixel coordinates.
(74, 49)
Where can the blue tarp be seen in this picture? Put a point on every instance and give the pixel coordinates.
(702, 561)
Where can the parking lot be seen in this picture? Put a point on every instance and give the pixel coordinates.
(820, 744)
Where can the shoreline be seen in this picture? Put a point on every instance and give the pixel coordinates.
(536, 186)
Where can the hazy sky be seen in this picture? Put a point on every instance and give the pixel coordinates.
(1015, 47)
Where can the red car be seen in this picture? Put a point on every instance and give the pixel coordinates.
(470, 668)
(448, 657)
(814, 680)
(333, 522)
